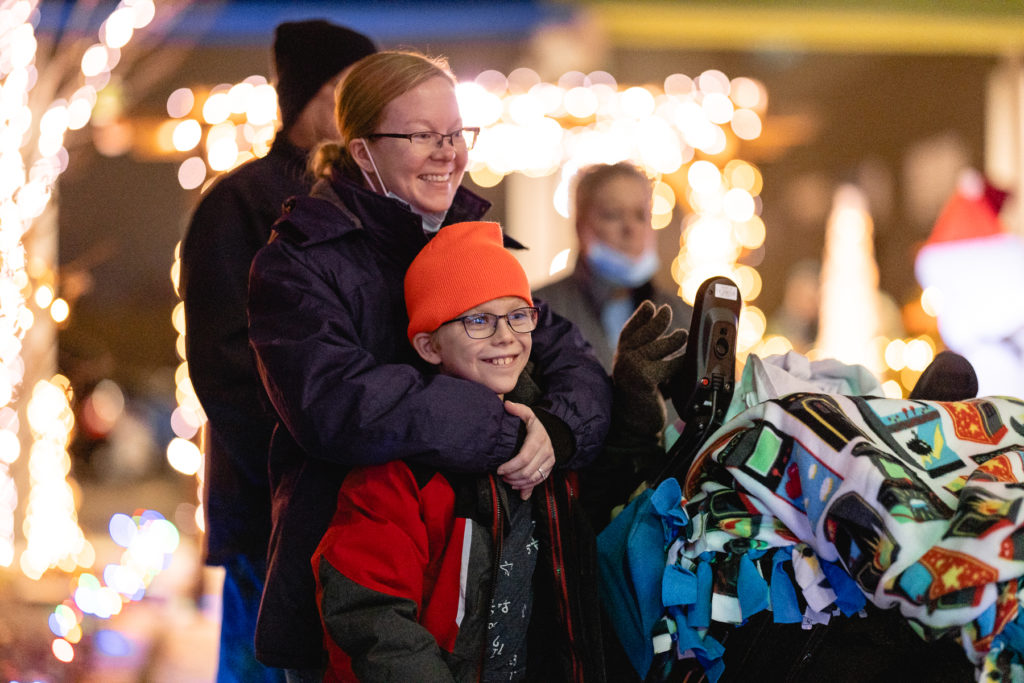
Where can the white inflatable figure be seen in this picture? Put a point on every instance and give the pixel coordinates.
(978, 269)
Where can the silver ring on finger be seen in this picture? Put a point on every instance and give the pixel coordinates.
(540, 471)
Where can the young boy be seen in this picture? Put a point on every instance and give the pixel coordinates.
(426, 575)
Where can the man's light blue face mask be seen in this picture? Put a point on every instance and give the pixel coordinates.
(619, 269)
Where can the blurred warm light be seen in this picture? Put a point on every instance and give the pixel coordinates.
(144, 11)
(238, 120)
(51, 526)
(748, 93)
(185, 422)
(849, 309)
(261, 108)
(892, 389)
(80, 107)
(63, 620)
(751, 328)
(53, 539)
(919, 353)
(636, 102)
(217, 108)
(718, 108)
(188, 419)
(743, 175)
(43, 296)
(713, 81)
(192, 173)
(187, 135)
(103, 407)
(749, 281)
(704, 177)
(184, 456)
(931, 301)
(118, 28)
(485, 177)
(909, 377)
(178, 317)
(94, 60)
(180, 103)
(559, 262)
(63, 650)
(772, 345)
(746, 124)
(895, 354)
(59, 310)
(238, 97)
(678, 84)
(738, 205)
(657, 129)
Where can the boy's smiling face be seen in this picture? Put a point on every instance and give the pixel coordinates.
(496, 362)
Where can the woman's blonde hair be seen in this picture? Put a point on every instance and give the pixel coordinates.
(367, 90)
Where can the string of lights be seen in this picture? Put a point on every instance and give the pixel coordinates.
(32, 157)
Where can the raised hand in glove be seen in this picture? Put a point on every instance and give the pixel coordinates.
(634, 448)
(644, 359)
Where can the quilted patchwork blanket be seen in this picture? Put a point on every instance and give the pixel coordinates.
(810, 505)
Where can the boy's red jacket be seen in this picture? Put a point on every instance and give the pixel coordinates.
(404, 576)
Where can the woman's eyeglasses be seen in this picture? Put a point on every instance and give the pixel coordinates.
(463, 138)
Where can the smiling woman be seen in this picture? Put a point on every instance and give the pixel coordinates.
(328, 323)
(426, 175)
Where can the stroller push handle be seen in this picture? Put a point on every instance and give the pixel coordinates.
(702, 390)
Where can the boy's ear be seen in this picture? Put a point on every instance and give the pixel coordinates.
(423, 342)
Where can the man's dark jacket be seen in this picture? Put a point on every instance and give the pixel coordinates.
(231, 223)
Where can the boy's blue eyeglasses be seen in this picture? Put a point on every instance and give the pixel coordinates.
(484, 325)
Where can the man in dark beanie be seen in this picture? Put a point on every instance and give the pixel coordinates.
(308, 55)
(230, 224)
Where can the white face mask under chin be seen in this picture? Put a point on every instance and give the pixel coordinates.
(431, 221)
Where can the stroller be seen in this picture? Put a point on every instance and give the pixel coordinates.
(724, 569)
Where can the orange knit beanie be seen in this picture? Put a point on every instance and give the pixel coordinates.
(463, 266)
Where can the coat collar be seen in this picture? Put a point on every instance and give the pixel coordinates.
(338, 206)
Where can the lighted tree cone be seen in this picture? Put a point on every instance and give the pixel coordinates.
(849, 312)
(977, 270)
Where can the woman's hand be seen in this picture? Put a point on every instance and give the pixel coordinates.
(533, 464)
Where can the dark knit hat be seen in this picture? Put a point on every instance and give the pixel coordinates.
(308, 54)
(465, 265)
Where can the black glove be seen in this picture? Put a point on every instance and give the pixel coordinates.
(644, 359)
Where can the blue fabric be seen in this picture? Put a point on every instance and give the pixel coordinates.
(240, 603)
(631, 561)
(1013, 635)
(700, 615)
(751, 588)
(987, 621)
(679, 586)
(849, 597)
(785, 604)
(667, 503)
